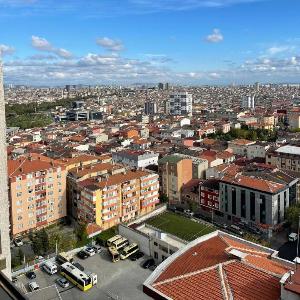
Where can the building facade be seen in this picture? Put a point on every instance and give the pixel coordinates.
(135, 159)
(253, 200)
(150, 108)
(118, 198)
(286, 158)
(37, 193)
(175, 171)
(180, 104)
(5, 261)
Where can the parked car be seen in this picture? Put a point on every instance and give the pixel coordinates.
(33, 286)
(18, 242)
(31, 275)
(293, 237)
(82, 254)
(236, 229)
(136, 256)
(90, 251)
(14, 279)
(78, 266)
(63, 282)
(97, 248)
(148, 263)
(188, 213)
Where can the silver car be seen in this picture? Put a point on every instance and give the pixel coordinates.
(63, 282)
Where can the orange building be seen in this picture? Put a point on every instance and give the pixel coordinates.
(118, 198)
(37, 193)
(175, 172)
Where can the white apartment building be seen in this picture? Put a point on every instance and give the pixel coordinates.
(179, 104)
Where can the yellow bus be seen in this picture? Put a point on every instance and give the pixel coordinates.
(77, 277)
(120, 243)
(114, 254)
(113, 239)
(129, 250)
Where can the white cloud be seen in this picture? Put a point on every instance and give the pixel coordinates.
(110, 44)
(6, 50)
(215, 37)
(42, 44)
(279, 49)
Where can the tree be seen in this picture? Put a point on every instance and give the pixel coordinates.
(81, 234)
(292, 215)
(43, 236)
(164, 198)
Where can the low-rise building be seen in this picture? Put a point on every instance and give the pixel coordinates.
(286, 157)
(221, 266)
(135, 159)
(240, 146)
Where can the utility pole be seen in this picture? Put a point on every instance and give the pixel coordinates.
(298, 242)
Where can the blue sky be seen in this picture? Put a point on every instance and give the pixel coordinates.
(50, 42)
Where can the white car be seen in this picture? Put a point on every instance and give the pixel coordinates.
(188, 213)
(89, 251)
(293, 237)
(33, 286)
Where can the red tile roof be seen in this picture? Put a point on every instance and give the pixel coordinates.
(209, 270)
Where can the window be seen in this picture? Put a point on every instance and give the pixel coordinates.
(155, 244)
(155, 255)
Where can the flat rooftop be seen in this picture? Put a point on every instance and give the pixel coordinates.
(168, 238)
(289, 150)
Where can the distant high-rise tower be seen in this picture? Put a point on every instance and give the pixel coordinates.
(150, 108)
(5, 264)
(180, 104)
(160, 86)
(248, 102)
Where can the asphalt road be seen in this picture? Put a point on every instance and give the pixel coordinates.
(288, 251)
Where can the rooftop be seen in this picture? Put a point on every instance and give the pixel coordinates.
(288, 149)
(219, 266)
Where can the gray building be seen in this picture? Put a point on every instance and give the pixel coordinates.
(135, 159)
(5, 264)
(150, 108)
(180, 104)
(255, 199)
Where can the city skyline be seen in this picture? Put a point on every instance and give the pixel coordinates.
(123, 42)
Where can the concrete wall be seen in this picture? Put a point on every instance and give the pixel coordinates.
(134, 236)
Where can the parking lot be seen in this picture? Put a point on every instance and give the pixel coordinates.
(120, 280)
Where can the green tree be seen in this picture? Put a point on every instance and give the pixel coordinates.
(81, 234)
(163, 198)
(292, 215)
(43, 236)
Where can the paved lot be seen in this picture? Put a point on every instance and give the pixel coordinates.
(121, 280)
(288, 251)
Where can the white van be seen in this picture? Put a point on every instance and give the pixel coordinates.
(50, 267)
(293, 237)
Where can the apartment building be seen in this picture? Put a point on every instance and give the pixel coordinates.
(286, 157)
(118, 198)
(5, 261)
(209, 194)
(37, 193)
(78, 174)
(240, 146)
(135, 159)
(179, 104)
(293, 117)
(257, 150)
(175, 171)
